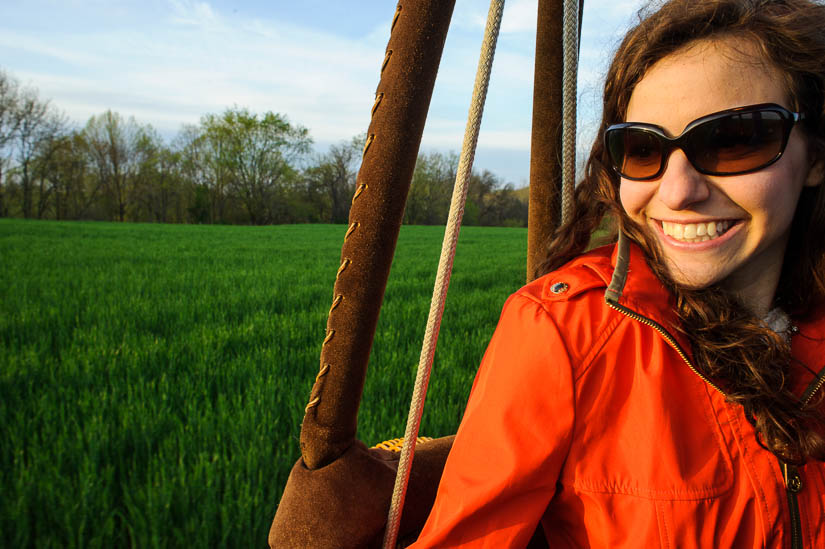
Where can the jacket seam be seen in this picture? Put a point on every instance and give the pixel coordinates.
(606, 330)
(660, 515)
(599, 344)
(757, 486)
(543, 307)
(700, 494)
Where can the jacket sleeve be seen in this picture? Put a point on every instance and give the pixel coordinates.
(502, 470)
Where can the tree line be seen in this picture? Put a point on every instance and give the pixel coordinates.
(234, 167)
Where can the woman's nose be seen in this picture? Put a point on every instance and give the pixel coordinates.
(681, 186)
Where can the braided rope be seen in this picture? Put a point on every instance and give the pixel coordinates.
(445, 266)
(570, 41)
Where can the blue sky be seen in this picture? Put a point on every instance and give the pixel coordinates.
(168, 62)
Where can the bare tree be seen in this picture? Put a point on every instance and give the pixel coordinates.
(157, 185)
(31, 114)
(334, 174)
(113, 146)
(9, 91)
(28, 128)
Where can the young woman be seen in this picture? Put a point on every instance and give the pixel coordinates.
(666, 390)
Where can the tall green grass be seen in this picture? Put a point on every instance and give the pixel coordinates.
(153, 377)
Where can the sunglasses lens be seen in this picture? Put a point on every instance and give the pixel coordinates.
(737, 143)
(636, 153)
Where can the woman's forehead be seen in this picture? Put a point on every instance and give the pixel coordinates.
(703, 78)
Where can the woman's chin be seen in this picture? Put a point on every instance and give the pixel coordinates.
(693, 277)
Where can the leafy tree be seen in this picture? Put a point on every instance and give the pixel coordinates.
(258, 154)
(428, 201)
(204, 164)
(233, 167)
(489, 200)
(481, 187)
(66, 165)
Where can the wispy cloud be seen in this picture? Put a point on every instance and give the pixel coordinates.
(196, 14)
(12, 40)
(168, 62)
(519, 16)
(198, 60)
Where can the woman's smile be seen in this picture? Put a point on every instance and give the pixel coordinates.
(696, 232)
(696, 237)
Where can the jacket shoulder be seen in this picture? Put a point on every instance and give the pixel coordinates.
(587, 272)
(572, 298)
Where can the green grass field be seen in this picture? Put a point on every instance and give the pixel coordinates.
(153, 377)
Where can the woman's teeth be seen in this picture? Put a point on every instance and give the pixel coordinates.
(696, 232)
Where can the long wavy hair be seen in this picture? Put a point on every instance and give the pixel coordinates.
(729, 344)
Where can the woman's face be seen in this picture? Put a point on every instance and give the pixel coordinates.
(751, 213)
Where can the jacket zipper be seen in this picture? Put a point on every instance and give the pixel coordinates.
(793, 485)
(793, 481)
(813, 388)
(666, 335)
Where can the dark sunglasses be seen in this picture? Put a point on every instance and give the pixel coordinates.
(730, 142)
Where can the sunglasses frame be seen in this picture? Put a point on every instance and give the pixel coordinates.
(789, 119)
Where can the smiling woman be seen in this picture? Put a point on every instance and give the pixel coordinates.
(666, 389)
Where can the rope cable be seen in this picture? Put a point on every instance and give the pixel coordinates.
(445, 265)
(570, 42)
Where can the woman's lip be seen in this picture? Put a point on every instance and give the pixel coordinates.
(689, 221)
(736, 225)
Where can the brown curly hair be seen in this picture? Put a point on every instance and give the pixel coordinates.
(732, 347)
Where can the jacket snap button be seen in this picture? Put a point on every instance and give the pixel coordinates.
(559, 288)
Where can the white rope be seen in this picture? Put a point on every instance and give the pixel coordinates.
(570, 41)
(445, 266)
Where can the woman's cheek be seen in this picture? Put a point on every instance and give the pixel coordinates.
(635, 196)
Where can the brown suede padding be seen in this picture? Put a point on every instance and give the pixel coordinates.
(544, 211)
(338, 494)
(394, 136)
(345, 504)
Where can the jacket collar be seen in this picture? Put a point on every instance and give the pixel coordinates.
(634, 285)
(620, 260)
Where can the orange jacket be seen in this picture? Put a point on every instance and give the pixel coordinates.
(587, 419)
